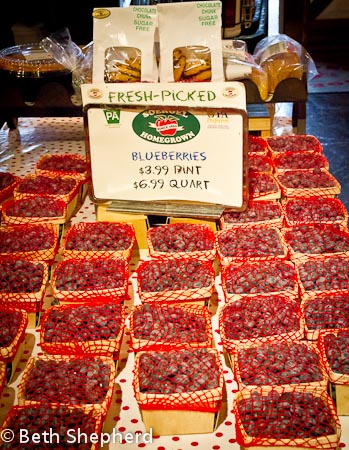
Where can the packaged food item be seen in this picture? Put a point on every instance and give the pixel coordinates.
(282, 57)
(124, 44)
(191, 51)
(239, 65)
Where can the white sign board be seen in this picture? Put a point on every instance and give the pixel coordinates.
(165, 150)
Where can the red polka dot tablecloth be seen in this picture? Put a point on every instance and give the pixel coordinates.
(19, 151)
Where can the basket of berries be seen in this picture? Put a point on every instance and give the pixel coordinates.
(279, 363)
(293, 143)
(8, 182)
(300, 161)
(169, 327)
(263, 186)
(258, 213)
(256, 320)
(182, 240)
(62, 380)
(325, 312)
(291, 418)
(251, 244)
(70, 164)
(308, 183)
(260, 163)
(257, 145)
(34, 242)
(62, 425)
(83, 280)
(88, 329)
(99, 240)
(175, 280)
(259, 278)
(322, 210)
(179, 391)
(23, 283)
(38, 209)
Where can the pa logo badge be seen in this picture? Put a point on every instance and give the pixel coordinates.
(112, 116)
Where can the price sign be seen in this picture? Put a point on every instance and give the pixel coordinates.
(144, 153)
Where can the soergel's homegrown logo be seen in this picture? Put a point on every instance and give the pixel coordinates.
(112, 116)
(166, 127)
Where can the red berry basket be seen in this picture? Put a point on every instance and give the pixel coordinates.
(293, 143)
(12, 332)
(8, 182)
(279, 364)
(38, 209)
(260, 163)
(327, 311)
(257, 145)
(66, 424)
(263, 186)
(182, 240)
(251, 244)
(62, 380)
(174, 280)
(70, 164)
(63, 187)
(310, 210)
(179, 391)
(292, 418)
(256, 320)
(99, 240)
(168, 327)
(87, 280)
(259, 279)
(316, 239)
(318, 275)
(23, 283)
(258, 213)
(333, 345)
(91, 329)
(308, 183)
(299, 161)
(34, 242)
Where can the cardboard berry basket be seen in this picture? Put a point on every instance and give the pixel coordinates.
(257, 145)
(260, 163)
(62, 380)
(14, 324)
(293, 143)
(66, 188)
(333, 345)
(294, 160)
(33, 242)
(99, 240)
(279, 364)
(315, 209)
(38, 209)
(308, 183)
(168, 327)
(318, 275)
(91, 329)
(325, 311)
(258, 213)
(64, 422)
(316, 239)
(259, 279)
(257, 320)
(86, 280)
(182, 240)
(68, 164)
(263, 186)
(23, 285)
(8, 182)
(274, 419)
(253, 244)
(175, 281)
(183, 409)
